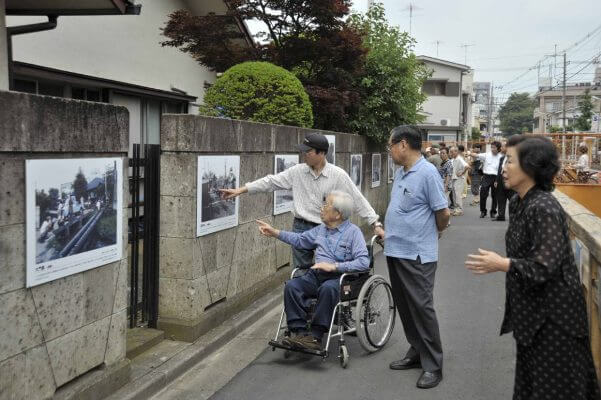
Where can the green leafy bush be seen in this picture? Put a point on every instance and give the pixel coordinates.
(261, 92)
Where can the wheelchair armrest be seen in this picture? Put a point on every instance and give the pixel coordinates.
(353, 275)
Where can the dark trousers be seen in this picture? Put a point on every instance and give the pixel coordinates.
(487, 185)
(502, 196)
(302, 257)
(412, 288)
(299, 291)
(476, 180)
(452, 198)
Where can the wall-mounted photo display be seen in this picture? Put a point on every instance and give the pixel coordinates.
(376, 170)
(331, 156)
(391, 169)
(357, 169)
(282, 199)
(213, 213)
(74, 211)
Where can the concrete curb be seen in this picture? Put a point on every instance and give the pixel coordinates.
(152, 382)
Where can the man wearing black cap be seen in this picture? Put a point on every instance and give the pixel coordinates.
(310, 183)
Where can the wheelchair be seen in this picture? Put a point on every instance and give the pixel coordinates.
(365, 309)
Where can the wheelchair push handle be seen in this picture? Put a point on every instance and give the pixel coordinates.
(376, 239)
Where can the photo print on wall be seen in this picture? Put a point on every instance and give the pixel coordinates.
(331, 156)
(74, 211)
(282, 199)
(212, 212)
(357, 169)
(376, 173)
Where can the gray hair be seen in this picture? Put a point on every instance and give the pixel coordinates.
(343, 203)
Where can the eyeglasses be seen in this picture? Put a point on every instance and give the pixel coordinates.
(390, 145)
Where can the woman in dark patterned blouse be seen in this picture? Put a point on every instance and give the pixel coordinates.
(545, 307)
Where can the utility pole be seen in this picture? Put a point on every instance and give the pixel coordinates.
(554, 64)
(411, 7)
(438, 42)
(490, 102)
(563, 103)
(465, 46)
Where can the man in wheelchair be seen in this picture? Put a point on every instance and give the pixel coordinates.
(339, 247)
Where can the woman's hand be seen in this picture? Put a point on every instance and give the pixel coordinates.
(267, 230)
(486, 262)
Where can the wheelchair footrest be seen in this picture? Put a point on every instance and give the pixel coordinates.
(320, 353)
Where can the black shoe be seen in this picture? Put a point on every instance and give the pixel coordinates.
(482, 214)
(429, 380)
(406, 363)
(493, 214)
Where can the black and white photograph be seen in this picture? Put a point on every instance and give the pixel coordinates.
(214, 213)
(74, 216)
(391, 169)
(331, 156)
(282, 199)
(376, 169)
(357, 169)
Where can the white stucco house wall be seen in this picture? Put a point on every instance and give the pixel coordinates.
(448, 106)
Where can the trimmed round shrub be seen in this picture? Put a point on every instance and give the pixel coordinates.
(261, 92)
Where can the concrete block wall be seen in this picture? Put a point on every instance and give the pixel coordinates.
(205, 279)
(54, 333)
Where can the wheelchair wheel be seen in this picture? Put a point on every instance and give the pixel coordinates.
(343, 356)
(375, 314)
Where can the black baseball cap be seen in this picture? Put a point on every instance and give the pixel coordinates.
(314, 141)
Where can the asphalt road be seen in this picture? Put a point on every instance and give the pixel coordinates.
(478, 363)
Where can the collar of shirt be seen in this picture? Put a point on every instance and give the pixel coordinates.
(325, 171)
(341, 227)
(413, 168)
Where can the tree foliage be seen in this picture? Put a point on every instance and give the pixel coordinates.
(308, 37)
(390, 87)
(585, 105)
(517, 114)
(476, 133)
(259, 91)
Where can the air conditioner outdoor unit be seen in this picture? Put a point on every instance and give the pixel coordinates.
(445, 122)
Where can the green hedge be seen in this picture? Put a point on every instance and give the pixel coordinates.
(261, 92)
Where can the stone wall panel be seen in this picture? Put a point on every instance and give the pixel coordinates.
(79, 351)
(178, 174)
(178, 216)
(184, 299)
(12, 189)
(19, 329)
(116, 343)
(27, 376)
(12, 261)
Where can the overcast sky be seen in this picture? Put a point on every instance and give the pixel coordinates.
(508, 37)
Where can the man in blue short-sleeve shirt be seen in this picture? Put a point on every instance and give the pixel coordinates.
(417, 213)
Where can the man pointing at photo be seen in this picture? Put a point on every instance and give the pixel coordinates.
(310, 182)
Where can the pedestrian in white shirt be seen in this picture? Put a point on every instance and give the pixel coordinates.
(490, 169)
(458, 180)
(582, 164)
(310, 183)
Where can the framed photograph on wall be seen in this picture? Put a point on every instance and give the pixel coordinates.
(391, 169)
(376, 169)
(282, 199)
(331, 156)
(212, 212)
(74, 216)
(357, 169)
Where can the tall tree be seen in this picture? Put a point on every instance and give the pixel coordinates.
(308, 37)
(391, 84)
(585, 105)
(80, 186)
(517, 114)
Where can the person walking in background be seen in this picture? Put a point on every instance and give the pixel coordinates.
(458, 179)
(310, 182)
(435, 158)
(503, 194)
(446, 172)
(545, 306)
(416, 216)
(582, 164)
(490, 168)
(475, 173)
